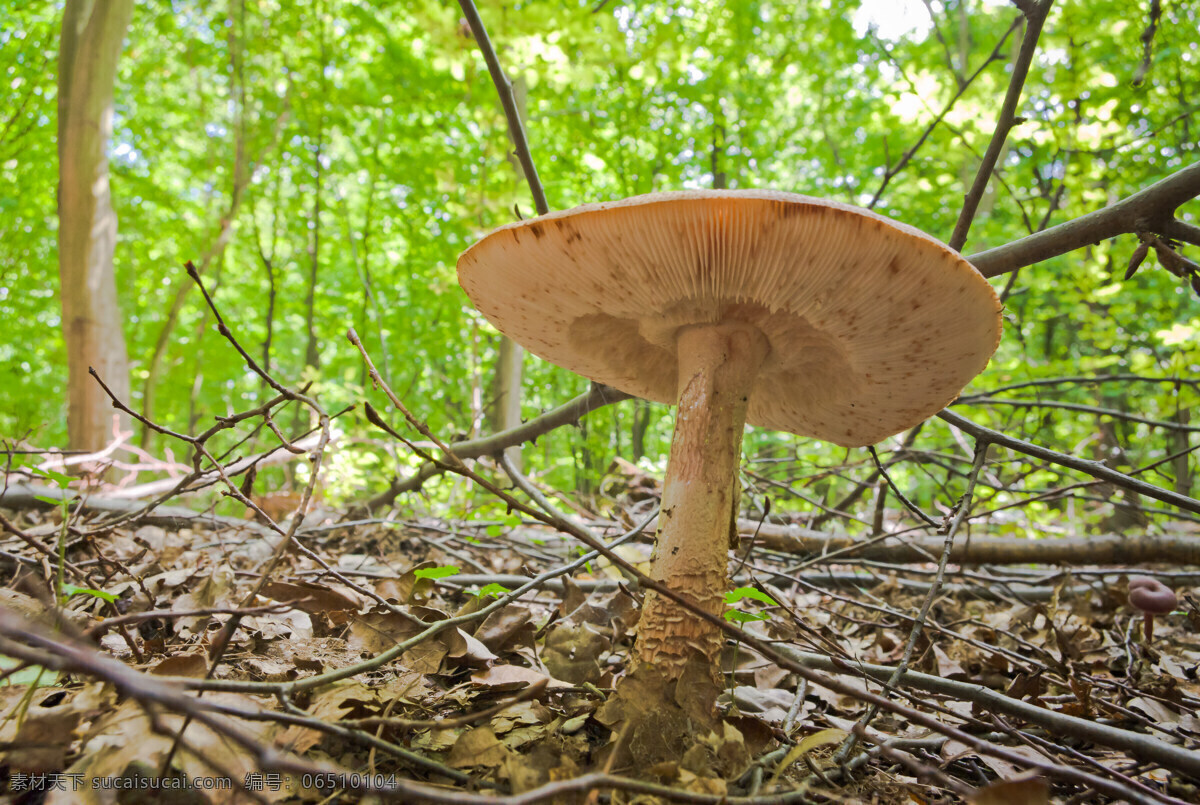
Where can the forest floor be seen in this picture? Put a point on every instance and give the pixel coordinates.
(392, 661)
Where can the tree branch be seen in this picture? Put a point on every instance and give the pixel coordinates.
(983, 399)
(1182, 231)
(1149, 210)
(1098, 549)
(963, 85)
(1035, 16)
(597, 396)
(1092, 468)
(1141, 746)
(504, 88)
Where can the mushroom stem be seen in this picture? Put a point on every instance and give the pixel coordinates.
(717, 367)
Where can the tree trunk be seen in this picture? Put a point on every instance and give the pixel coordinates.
(506, 391)
(312, 354)
(1179, 442)
(92, 35)
(641, 424)
(506, 400)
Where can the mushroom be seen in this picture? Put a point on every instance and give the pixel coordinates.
(740, 306)
(1151, 597)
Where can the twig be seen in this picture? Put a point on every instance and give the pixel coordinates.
(862, 486)
(908, 504)
(1083, 409)
(224, 637)
(33, 542)
(525, 694)
(99, 629)
(595, 397)
(907, 156)
(525, 485)
(1137, 744)
(919, 769)
(918, 625)
(1093, 380)
(1092, 468)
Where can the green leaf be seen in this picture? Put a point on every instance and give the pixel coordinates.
(71, 589)
(436, 572)
(493, 590)
(741, 593)
(61, 480)
(32, 675)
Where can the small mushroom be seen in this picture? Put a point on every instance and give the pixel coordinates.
(1151, 597)
(739, 306)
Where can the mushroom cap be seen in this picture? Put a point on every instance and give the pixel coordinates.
(1149, 595)
(873, 325)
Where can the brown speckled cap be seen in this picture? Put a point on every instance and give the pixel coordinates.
(874, 326)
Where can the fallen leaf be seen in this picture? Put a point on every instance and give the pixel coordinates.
(311, 597)
(512, 677)
(1027, 791)
(194, 666)
(478, 747)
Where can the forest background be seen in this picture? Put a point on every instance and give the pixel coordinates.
(324, 164)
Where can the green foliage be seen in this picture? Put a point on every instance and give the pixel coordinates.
(363, 141)
(747, 594)
(70, 590)
(496, 529)
(435, 572)
(33, 676)
(492, 590)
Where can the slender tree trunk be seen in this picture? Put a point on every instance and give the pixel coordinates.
(641, 423)
(1179, 441)
(720, 179)
(92, 35)
(510, 358)
(506, 405)
(312, 354)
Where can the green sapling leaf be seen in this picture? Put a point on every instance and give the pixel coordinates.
(436, 572)
(733, 596)
(70, 590)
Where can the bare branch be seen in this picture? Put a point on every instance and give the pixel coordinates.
(504, 87)
(1149, 210)
(597, 396)
(1093, 468)
(983, 399)
(1035, 17)
(1139, 76)
(1139, 745)
(963, 85)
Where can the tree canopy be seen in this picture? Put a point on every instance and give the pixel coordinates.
(323, 167)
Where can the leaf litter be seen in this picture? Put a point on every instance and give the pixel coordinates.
(520, 700)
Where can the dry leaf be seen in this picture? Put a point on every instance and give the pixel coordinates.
(1027, 791)
(194, 666)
